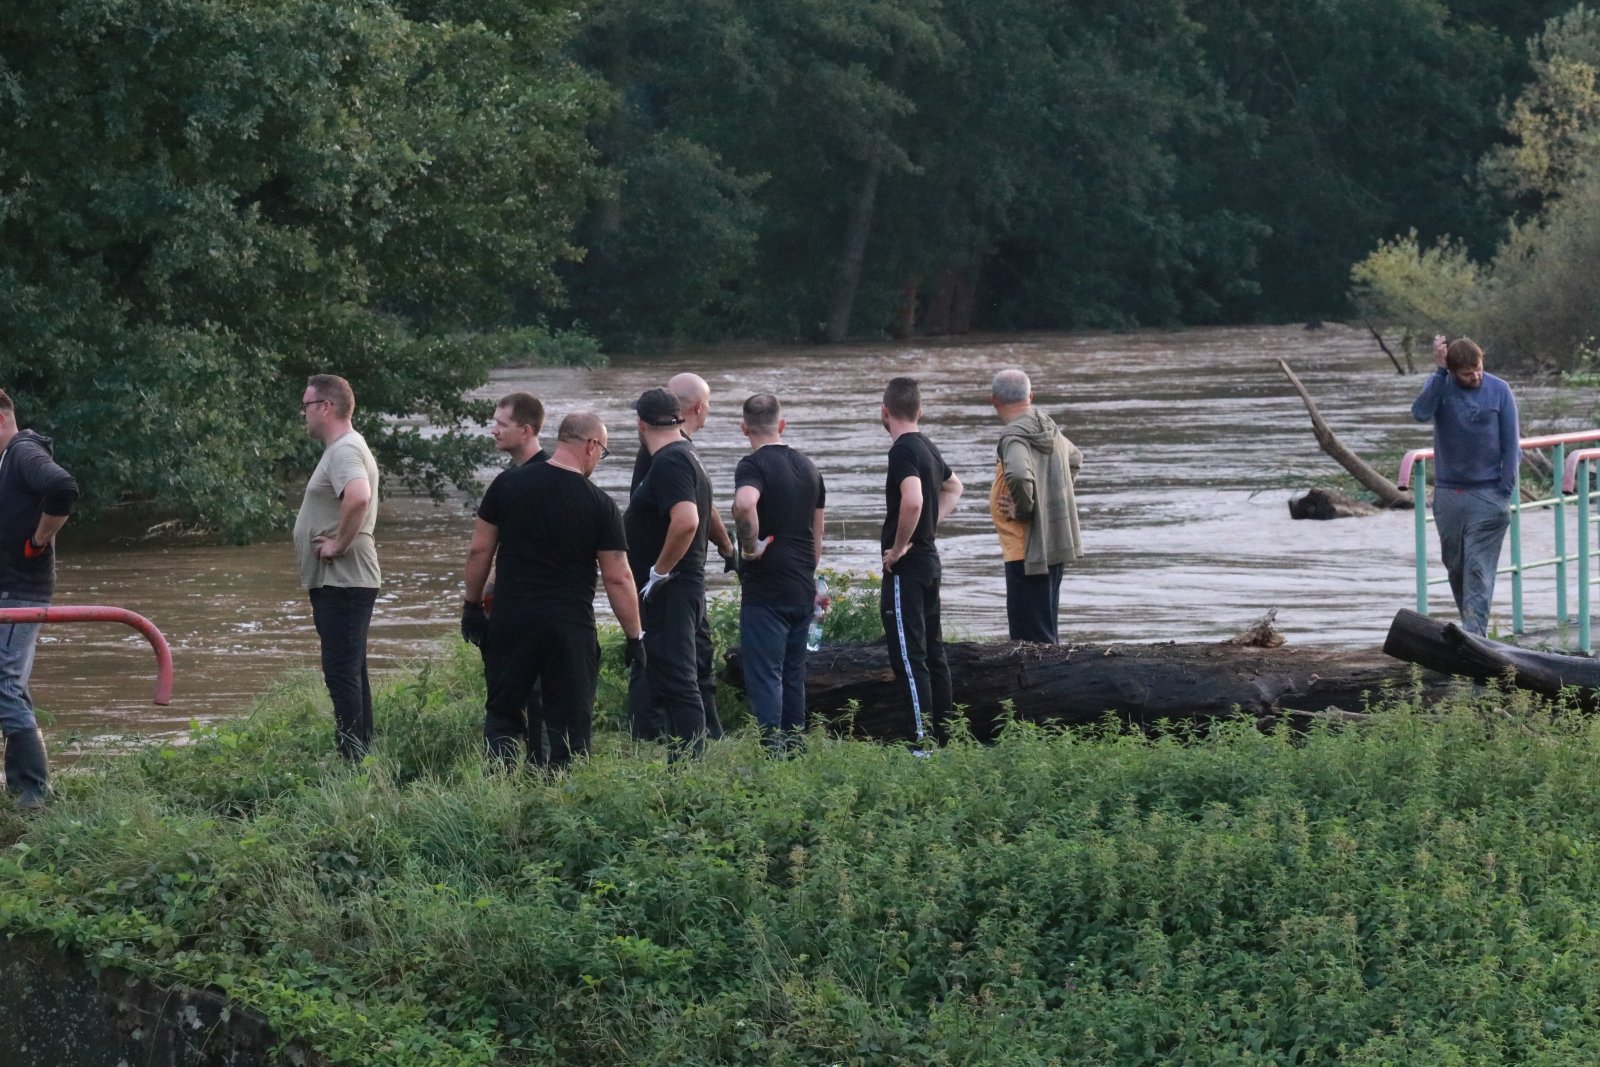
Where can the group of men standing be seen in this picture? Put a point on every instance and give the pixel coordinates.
(546, 535)
(544, 530)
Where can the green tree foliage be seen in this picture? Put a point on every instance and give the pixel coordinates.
(1534, 298)
(1014, 164)
(1555, 123)
(204, 201)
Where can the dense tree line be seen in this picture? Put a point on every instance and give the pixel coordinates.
(826, 167)
(202, 201)
(1532, 299)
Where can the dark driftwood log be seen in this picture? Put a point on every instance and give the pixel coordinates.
(1136, 684)
(1446, 647)
(1328, 504)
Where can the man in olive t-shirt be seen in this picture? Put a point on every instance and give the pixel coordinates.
(338, 556)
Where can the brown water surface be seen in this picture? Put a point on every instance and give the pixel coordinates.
(1193, 441)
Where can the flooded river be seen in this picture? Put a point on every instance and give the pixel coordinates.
(1193, 442)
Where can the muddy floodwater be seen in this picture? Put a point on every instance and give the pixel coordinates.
(1193, 442)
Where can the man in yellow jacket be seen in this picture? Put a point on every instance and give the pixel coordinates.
(1033, 507)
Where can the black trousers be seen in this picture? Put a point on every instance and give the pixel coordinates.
(343, 615)
(1033, 603)
(559, 653)
(910, 608)
(504, 730)
(667, 700)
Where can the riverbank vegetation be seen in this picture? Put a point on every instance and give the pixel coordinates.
(1530, 300)
(1420, 890)
(203, 201)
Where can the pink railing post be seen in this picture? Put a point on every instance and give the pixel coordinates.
(99, 613)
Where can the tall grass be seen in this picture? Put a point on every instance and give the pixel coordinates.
(1421, 891)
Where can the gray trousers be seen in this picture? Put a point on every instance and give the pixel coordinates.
(1472, 525)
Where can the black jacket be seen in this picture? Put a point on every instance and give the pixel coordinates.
(31, 484)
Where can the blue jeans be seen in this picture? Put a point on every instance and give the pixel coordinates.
(773, 640)
(1472, 525)
(17, 640)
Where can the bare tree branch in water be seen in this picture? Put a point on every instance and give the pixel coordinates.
(1389, 494)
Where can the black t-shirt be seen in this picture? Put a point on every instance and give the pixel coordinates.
(914, 456)
(673, 476)
(553, 523)
(791, 492)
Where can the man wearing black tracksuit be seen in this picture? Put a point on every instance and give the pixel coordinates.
(36, 496)
(920, 491)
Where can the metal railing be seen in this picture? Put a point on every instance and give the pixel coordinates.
(97, 613)
(1416, 462)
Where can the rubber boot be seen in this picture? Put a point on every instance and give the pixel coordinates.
(27, 769)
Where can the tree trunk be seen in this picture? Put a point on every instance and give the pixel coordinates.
(1391, 495)
(843, 300)
(965, 304)
(1135, 684)
(841, 304)
(905, 319)
(1446, 647)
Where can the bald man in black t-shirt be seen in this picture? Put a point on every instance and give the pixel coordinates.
(545, 527)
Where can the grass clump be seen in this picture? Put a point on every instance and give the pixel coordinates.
(1423, 891)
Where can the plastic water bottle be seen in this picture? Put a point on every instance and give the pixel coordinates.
(814, 633)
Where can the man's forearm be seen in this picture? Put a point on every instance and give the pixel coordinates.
(749, 532)
(719, 533)
(624, 598)
(674, 547)
(906, 527)
(351, 515)
(48, 527)
(478, 563)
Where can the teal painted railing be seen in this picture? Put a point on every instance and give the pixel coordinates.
(1414, 467)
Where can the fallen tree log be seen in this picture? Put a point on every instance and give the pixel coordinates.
(1136, 684)
(1447, 648)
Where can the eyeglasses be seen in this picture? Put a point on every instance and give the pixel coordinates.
(605, 452)
(307, 403)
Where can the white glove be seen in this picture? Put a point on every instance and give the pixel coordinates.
(656, 578)
(760, 550)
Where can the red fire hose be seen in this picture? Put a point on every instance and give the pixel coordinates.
(96, 613)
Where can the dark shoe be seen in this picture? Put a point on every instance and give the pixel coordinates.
(504, 752)
(27, 769)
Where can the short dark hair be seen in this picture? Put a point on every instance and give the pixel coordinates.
(526, 410)
(903, 398)
(336, 391)
(5, 402)
(1463, 354)
(762, 412)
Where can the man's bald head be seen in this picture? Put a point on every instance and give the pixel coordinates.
(694, 397)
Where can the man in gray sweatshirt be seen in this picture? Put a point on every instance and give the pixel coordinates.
(1033, 507)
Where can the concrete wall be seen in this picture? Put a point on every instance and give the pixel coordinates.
(55, 1012)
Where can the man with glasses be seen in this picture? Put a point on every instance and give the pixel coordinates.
(546, 527)
(668, 522)
(333, 540)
